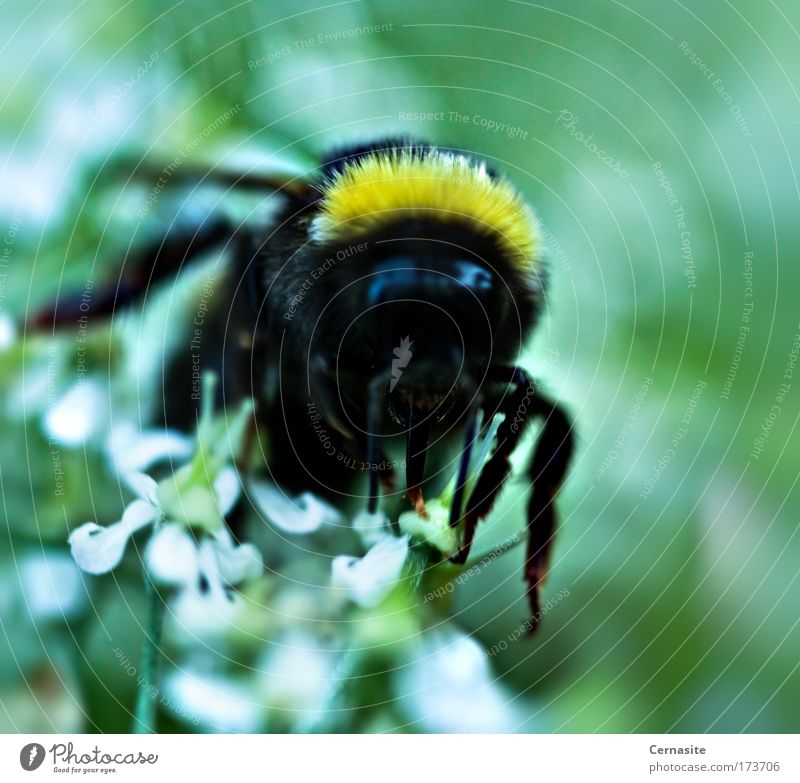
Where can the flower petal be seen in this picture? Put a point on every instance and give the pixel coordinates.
(206, 606)
(97, 549)
(236, 562)
(433, 687)
(297, 676)
(132, 449)
(171, 556)
(305, 514)
(205, 614)
(8, 331)
(138, 514)
(214, 702)
(318, 509)
(371, 528)
(227, 488)
(52, 585)
(76, 416)
(368, 580)
(144, 486)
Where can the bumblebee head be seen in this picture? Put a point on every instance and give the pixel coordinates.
(449, 261)
(370, 191)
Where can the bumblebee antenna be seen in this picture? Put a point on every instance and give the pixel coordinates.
(417, 437)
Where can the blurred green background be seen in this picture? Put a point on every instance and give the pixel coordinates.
(657, 143)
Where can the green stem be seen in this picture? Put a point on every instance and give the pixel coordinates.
(144, 721)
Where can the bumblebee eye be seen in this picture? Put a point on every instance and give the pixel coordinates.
(404, 278)
(475, 277)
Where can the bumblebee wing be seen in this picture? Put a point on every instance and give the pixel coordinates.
(291, 182)
(185, 210)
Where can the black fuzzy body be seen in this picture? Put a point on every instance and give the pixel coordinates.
(318, 344)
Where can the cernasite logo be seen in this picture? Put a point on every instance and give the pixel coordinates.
(31, 756)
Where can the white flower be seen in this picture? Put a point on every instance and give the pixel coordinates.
(173, 556)
(51, 585)
(204, 572)
(371, 528)
(78, 415)
(98, 549)
(304, 514)
(8, 331)
(297, 676)
(226, 489)
(189, 498)
(368, 580)
(448, 688)
(131, 449)
(214, 702)
(190, 548)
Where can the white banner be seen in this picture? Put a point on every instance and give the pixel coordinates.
(389, 758)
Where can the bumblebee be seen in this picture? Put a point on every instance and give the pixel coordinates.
(384, 306)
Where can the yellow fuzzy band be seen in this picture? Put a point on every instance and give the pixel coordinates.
(382, 187)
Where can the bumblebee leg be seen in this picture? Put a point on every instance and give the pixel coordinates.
(497, 470)
(548, 467)
(154, 263)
